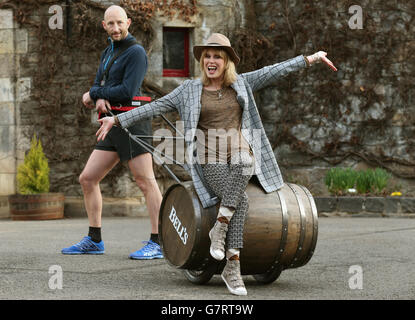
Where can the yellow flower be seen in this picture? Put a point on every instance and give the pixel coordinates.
(393, 194)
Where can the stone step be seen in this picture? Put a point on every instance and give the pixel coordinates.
(75, 208)
(326, 206)
(366, 206)
(4, 207)
(111, 207)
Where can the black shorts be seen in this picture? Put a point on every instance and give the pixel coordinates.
(118, 140)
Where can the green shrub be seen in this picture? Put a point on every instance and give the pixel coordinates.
(372, 181)
(33, 173)
(364, 182)
(340, 180)
(380, 180)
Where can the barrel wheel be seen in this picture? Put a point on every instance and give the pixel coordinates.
(270, 276)
(200, 276)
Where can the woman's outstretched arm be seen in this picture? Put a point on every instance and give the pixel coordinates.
(263, 77)
(168, 103)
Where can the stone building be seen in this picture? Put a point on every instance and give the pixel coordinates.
(361, 116)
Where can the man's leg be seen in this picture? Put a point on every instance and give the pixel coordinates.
(142, 170)
(97, 167)
(99, 164)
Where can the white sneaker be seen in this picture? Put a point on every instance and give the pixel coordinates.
(231, 275)
(217, 237)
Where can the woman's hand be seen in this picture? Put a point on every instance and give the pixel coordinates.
(321, 56)
(106, 125)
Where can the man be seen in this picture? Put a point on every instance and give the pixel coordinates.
(118, 87)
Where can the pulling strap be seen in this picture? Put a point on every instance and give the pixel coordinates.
(122, 48)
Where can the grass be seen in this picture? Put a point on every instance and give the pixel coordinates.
(365, 182)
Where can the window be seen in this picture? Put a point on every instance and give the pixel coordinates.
(175, 52)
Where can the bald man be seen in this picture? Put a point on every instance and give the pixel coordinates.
(117, 88)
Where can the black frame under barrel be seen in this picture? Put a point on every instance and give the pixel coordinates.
(151, 149)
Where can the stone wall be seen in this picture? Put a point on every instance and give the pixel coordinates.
(316, 119)
(222, 16)
(363, 115)
(14, 90)
(65, 127)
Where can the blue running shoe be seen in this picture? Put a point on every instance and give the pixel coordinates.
(150, 251)
(85, 246)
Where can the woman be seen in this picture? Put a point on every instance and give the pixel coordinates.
(223, 100)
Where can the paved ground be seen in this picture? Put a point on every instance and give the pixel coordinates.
(382, 248)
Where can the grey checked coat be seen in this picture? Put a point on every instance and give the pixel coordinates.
(186, 100)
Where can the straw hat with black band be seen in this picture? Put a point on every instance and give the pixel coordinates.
(216, 41)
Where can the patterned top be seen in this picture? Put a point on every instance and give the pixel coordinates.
(219, 135)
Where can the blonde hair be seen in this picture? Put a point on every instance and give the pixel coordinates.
(230, 74)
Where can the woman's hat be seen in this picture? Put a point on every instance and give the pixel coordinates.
(216, 41)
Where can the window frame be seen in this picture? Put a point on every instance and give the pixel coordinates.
(179, 72)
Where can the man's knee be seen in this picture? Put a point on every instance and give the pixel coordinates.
(82, 178)
(142, 170)
(86, 180)
(145, 184)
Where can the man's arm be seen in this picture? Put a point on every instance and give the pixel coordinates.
(86, 97)
(87, 101)
(135, 70)
(96, 84)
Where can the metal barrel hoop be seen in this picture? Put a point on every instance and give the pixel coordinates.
(295, 262)
(284, 229)
(315, 225)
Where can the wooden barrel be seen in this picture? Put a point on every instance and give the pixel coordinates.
(183, 227)
(43, 206)
(280, 229)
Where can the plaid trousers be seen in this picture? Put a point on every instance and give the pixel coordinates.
(228, 182)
